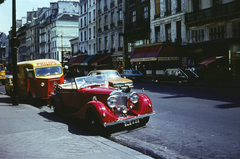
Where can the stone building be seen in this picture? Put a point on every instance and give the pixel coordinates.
(213, 30)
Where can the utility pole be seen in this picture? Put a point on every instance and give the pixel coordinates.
(14, 44)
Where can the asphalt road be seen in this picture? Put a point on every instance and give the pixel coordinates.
(190, 122)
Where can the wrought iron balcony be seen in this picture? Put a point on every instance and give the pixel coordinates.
(225, 10)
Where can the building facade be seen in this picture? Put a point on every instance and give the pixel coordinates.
(213, 29)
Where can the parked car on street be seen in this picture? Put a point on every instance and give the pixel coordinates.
(135, 75)
(114, 78)
(90, 98)
(9, 84)
(176, 76)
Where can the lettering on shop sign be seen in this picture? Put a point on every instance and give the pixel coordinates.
(144, 59)
(168, 58)
(46, 63)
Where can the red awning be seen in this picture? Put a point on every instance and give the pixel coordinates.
(210, 60)
(78, 60)
(71, 61)
(95, 63)
(140, 53)
(153, 51)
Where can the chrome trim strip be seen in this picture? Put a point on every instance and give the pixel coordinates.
(129, 119)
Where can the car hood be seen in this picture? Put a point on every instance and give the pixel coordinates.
(119, 80)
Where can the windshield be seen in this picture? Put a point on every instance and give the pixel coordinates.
(111, 74)
(86, 81)
(190, 73)
(136, 72)
(45, 71)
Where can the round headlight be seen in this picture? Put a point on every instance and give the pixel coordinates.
(134, 97)
(42, 84)
(112, 101)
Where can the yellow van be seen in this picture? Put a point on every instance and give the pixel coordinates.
(36, 78)
(2, 73)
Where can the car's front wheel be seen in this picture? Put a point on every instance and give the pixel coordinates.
(144, 121)
(93, 122)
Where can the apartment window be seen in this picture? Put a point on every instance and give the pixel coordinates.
(89, 49)
(85, 35)
(100, 22)
(120, 41)
(85, 8)
(134, 16)
(112, 17)
(90, 2)
(236, 30)
(113, 41)
(216, 2)
(94, 15)
(168, 7)
(168, 32)
(106, 43)
(106, 20)
(85, 21)
(217, 33)
(94, 30)
(145, 12)
(81, 36)
(94, 48)
(81, 23)
(89, 33)
(120, 15)
(89, 17)
(157, 34)
(81, 10)
(157, 8)
(178, 6)
(197, 35)
(100, 44)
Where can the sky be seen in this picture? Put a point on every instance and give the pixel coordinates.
(22, 7)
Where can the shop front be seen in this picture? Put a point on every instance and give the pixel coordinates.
(155, 58)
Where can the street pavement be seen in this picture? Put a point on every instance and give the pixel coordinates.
(30, 132)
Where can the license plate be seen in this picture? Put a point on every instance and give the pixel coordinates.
(129, 123)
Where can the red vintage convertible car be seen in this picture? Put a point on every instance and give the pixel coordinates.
(92, 99)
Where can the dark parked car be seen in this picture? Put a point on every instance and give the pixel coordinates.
(133, 75)
(176, 76)
(90, 98)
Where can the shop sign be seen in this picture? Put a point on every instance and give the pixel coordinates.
(168, 58)
(144, 59)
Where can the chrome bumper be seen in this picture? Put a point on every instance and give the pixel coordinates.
(133, 120)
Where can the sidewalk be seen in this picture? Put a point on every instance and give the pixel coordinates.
(29, 132)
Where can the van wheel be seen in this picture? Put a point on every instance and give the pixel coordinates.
(31, 99)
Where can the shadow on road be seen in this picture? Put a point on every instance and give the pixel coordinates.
(229, 95)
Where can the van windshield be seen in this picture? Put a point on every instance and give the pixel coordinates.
(45, 71)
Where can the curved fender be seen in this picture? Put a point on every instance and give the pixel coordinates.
(103, 113)
(144, 105)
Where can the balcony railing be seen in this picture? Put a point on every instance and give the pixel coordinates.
(99, 30)
(213, 12)
(141, 24)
